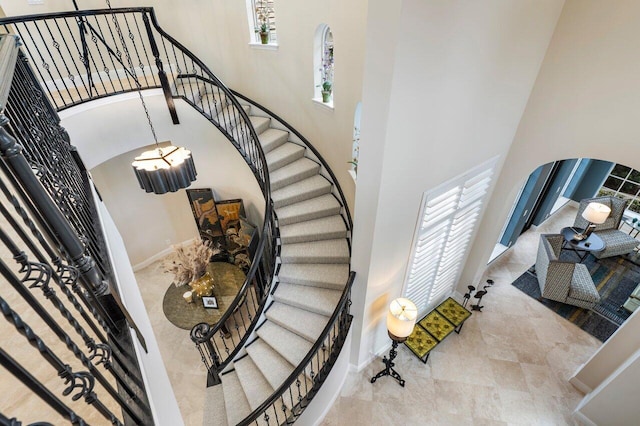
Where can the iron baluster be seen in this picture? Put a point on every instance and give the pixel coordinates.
(63, 336)
(100, 35)
(71, 75)
(22, 374)
(40, 274)
(146, 54)
(48, 66)
(43, 62)
(81, 383)
(66, 274)
(12, 153)
(56, 46)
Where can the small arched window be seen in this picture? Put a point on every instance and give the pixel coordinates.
(323, 64)
(355, 149)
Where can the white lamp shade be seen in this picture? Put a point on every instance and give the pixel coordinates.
(596, 213)
(401, 317)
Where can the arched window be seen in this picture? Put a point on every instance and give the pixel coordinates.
(323, 64)
(262, 21)
(355, 150)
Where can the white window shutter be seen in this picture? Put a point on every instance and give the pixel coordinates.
(449, 217)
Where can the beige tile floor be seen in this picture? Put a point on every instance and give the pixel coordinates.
(510, 364)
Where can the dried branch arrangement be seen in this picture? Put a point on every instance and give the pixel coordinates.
(190, 261)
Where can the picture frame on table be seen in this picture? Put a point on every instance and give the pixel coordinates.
(210, 302)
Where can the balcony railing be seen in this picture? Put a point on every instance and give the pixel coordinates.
(81, 56)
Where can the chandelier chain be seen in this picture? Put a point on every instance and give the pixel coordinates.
(132, 70)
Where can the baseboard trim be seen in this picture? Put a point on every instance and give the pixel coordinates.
(158, 256)
(584, 419)
(578, 384)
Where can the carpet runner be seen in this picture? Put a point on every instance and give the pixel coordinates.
(615, 278)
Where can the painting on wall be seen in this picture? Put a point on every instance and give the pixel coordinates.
(204, 211)
(229, 211)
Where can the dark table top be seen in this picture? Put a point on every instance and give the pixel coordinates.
(228, 279)
(591, 243)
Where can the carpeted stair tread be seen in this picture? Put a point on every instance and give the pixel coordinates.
(326, 251)
(212, 101)
(215, 413)
(325, 275)
(299, 321)
(260, 123)
(312, 187)
(321, 301)
(325, 228)
(190, 89)
(293, 172)
(255, 385)
(270, 139)
(230, 116)
(272, 365)
(235, 400)
(283, 155)
(289, 345)
(314, 208)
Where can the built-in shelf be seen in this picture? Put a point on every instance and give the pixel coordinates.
(260, 46)
(327, 105)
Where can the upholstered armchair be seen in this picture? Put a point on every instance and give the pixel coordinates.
(565, 282)
(616, 242)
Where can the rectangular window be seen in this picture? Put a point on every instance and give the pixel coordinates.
(263, 21)
(449, 218)
(623, 182)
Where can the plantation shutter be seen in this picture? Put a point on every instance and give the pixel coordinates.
(271, 14)
(449, 217)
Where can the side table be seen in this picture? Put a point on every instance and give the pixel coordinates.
(592, 243)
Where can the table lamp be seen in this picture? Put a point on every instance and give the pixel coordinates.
(595, 214)
(400, 321)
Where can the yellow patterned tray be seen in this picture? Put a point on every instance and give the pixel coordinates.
(453, 311)
(437, 325)
(420, 342)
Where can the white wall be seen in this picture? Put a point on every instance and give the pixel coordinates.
(584, 104)
(110, 133)
(462, 73)
(162, 400)
(615, 402)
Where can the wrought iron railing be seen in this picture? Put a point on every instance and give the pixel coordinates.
(78, 57)
(287, 403)
(48, 225)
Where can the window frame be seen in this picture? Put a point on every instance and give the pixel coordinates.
(252, 14)
(448, 220)
(323, 63)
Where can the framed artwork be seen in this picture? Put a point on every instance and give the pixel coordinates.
(229, 211)
(210, 302)
(204, 211)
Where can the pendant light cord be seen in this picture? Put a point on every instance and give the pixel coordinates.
(133, 73)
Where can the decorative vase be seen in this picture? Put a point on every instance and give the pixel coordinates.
(264, 37)
(202, 286)
(326, 96)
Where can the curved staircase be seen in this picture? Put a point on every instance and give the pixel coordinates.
(313, 271)
(273, 368)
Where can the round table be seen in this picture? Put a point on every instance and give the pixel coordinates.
(590, 244)
(227, 278)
